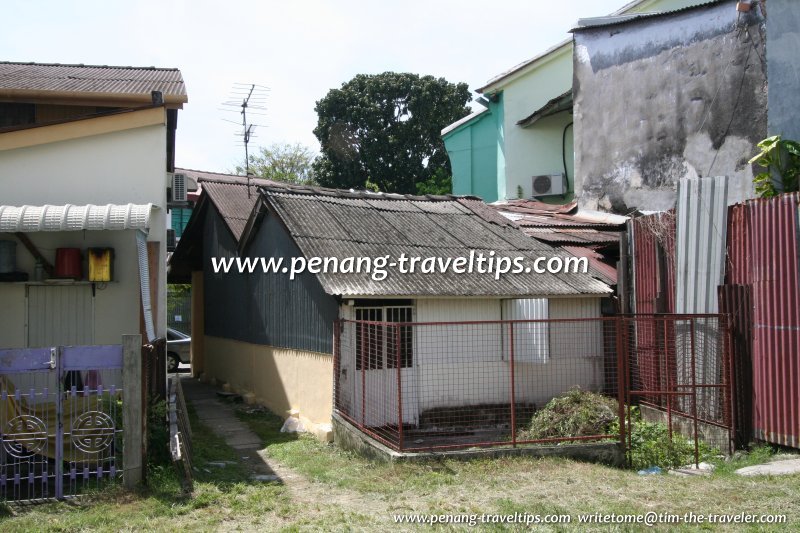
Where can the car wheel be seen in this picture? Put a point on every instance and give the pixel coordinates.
(172, 363)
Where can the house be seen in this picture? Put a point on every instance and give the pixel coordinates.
(86, 156)
(523, 128)
(667, 96)
(273, 338)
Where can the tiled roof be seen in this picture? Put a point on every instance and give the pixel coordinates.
(94, 80)
(333, 223)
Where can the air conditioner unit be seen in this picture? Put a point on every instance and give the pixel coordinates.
(171, 243)
(549, 185)
(178, 187)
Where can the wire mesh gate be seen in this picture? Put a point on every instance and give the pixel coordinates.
(60, 420)
(417, 386)
(680, 371)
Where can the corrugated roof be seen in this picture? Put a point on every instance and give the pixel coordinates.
(331, 223)
(42, 78)
(562, 224)
(31, 218)
(562, 102)
(617, 19)
(229, 195)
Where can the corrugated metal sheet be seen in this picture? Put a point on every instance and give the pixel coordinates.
(736, 301)
(31, 218)
(765, 254)
(600, 269)
(702, 211)
(60, 315)
(653, 239)
(91, 79)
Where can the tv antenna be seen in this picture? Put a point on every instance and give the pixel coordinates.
(248, 99)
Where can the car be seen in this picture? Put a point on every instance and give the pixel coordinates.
(178, 349)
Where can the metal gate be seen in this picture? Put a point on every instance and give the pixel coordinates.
(60, 420)
(679, 371)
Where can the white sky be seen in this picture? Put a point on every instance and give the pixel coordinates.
(298, 48)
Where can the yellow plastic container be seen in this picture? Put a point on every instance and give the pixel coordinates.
(101, 263)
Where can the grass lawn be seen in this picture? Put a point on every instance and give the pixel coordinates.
(327, 489)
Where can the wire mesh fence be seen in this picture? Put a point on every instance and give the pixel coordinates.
(680, 372)
(436, 386)
(423, 386)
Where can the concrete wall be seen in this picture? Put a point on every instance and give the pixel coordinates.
(279, 378)
(472, 149)
(643, 106)
(116, 304)
(127, 166)
(783, 41)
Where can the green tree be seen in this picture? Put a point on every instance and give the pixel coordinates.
(780, 159)
(386, 129)
(291, 163)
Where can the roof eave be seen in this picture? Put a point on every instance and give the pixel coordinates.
(87, 97)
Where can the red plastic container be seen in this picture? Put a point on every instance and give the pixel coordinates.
(68, 263)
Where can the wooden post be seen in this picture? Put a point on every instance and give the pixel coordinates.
(132, 421)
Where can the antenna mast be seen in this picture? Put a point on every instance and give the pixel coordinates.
(253, 97)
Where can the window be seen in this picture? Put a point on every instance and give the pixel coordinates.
(377, 344)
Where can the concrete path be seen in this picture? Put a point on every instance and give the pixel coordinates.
(219, 415)
(775, 468)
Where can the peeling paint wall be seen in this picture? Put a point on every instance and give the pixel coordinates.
(682, 95)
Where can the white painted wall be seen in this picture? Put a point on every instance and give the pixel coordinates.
(123, 167)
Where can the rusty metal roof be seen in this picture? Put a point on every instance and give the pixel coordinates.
(334, 223)
(41, 79)
(561, 223)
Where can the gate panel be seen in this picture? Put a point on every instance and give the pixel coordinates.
(60, 420)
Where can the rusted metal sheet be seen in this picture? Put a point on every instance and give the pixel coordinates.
(768, 259)
(654, 263)
(736, 301)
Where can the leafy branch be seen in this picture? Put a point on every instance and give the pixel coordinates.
(781, 160)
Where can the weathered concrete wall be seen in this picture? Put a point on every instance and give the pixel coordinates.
(783, 42)
(666, 97)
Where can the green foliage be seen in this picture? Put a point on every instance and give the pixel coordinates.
(520, 193)
(386, 127)
(291, 163)
(781, 160)
(578, 413)
(651, 445)
(439, 183)
(157, 434)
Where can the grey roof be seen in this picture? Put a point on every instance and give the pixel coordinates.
(229, 195)
(617, 19)
(562, 102)
(17, 79)
(340, 224)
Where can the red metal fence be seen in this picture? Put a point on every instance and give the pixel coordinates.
(437, 386)
(764, 257)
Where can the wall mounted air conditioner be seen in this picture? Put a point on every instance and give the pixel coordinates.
(178, 187)
(549, 185)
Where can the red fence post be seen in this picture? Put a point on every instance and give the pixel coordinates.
(694, 397)
(513, 406)
(621, 381)
(363, 378)
(731, 388)
(336, 363)
(666, 377)
(399, 388)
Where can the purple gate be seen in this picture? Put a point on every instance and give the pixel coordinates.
(60, 420)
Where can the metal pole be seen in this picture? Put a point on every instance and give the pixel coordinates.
(59, 451)
(694, 399)
(336, 364)
(363, 378)
(399, 387)
(728, 354)
(666, 374)
(513, 406)
(621, 388)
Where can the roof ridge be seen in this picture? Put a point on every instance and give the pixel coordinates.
(83, 65)
(308, 190)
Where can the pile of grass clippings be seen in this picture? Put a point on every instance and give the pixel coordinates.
(578, 413)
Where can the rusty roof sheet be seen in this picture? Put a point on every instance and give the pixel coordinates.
(331, 223)
(19, 78)
(602, 270)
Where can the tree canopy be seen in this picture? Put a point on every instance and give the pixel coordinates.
(282, 162)
(386, 129)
